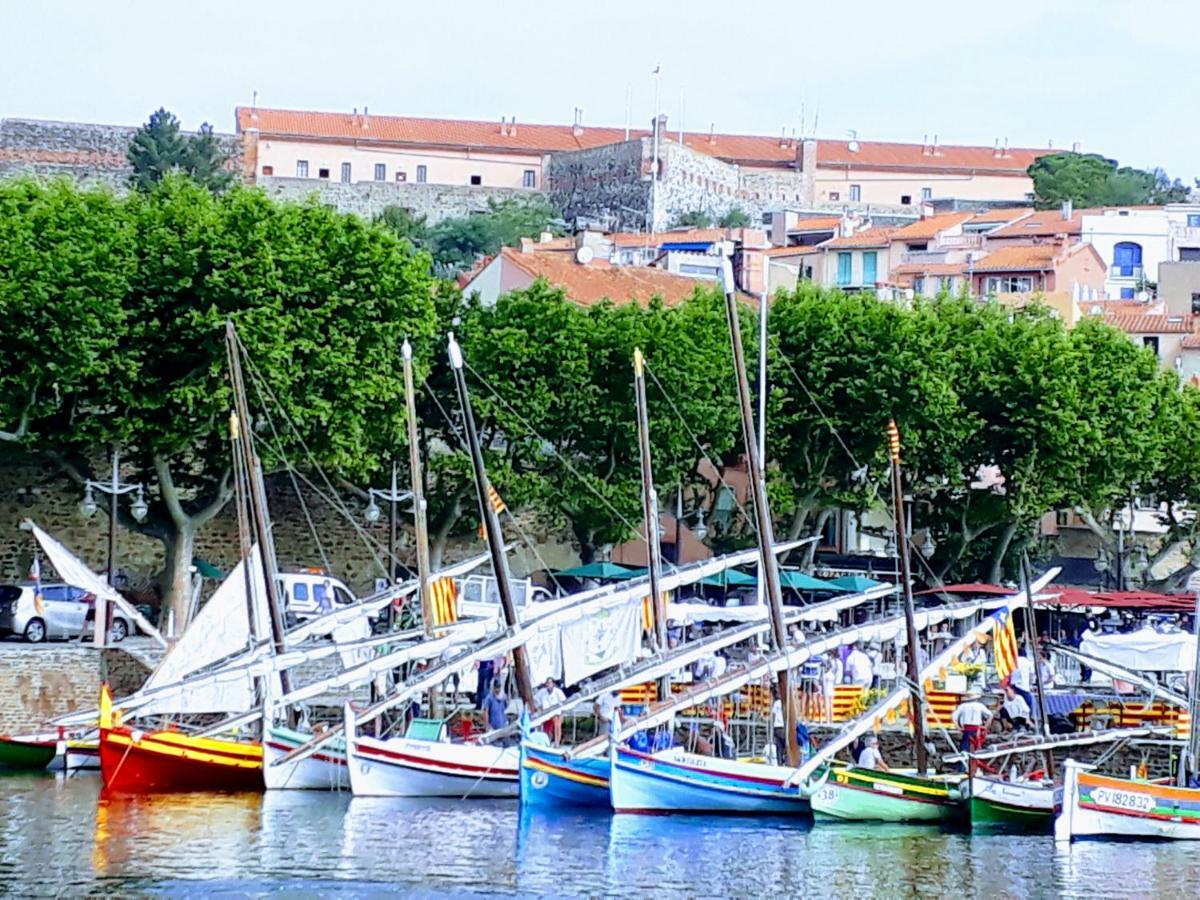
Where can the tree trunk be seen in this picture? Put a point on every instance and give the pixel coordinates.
(175, 581)
(810, 550)
(1001, 551)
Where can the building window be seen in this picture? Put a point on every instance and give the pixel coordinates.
(1151, 341)
(323, 173)
(1193, 220)
(268, 170)
(870, 261)
(855, 193)
(919, 285)
(529, 178)
(1010, 284)
(345, 173)
(1127, 293)
(422, 174)
(906, 199)
(1189, 254)
(843, 272)
(381, 171)
(926, 193)
(1195, 304)
(402, 176)
(833, 195)
(476, 179)
(1127, 259)
(302, 168)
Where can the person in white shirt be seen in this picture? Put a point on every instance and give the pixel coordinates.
(973, 719)
(870, 757)
(831, 677)
(1046, 670)
(859, 670)
(1022, 677)
(607, 709)
(1015, 711)
(547, 696)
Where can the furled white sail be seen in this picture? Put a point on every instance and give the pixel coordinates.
(72, 570)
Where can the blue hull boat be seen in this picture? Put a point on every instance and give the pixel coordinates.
(676, 781)
(550, 780)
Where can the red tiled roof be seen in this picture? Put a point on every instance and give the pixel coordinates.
(930, 227)
(930, 269)
(816, 223)
(993, 216)
(1019, 259)
(658, 238)
(1046, 223)
(1191, 342)
(1118, 307)
(341, 126)
(794, 251)
(588, 284)
(870, 237)
(1151, 324)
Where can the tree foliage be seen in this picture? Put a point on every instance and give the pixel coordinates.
(456, 243)
(160, 147)
(1088, 179)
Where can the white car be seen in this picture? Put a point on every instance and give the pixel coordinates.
(66, 613)
(307, 595)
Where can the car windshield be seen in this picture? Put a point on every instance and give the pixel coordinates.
(9, 592)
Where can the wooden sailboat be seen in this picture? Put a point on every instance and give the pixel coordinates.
(850, 793)
(1103, 807)
(28, 753)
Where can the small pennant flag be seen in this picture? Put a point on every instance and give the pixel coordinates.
(35, 575)
(1006, 644)
(497, 504)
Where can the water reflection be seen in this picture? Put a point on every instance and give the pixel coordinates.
(59, 835)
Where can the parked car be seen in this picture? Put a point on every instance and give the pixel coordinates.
(307, 595)
(66, 613)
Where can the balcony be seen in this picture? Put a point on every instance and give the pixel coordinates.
(1185, 234)
(959, 242)
(1134, 272)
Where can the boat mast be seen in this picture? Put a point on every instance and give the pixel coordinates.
(418, 491)
(650, 517)
(762, 512)
(260, 517)
(1031, 647)
(1190, 764)
(763, 308)
(910, 625)
(491, 526)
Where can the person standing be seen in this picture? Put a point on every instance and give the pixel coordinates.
(859, 670)
(548, 696)
(1022, 677)
(973, 719)
(495, 709)
(607, 710)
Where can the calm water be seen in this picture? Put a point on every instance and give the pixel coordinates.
(58, 838)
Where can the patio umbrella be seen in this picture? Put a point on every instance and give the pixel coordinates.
(798, 581)
(730, 578)
(610, 571)
(856, 583)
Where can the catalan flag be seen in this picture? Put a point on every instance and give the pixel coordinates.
(1005, 646)
(35, 575)
(648, 610)
(498, 505)
(443, 601)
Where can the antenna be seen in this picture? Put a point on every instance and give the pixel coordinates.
(628, 104)
(254, 102)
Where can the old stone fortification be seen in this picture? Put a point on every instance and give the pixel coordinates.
(608, 184)
(37, 492)
(40, 683)
(369, 198)
(88, 152)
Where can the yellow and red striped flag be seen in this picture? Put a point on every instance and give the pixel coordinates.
(1005, 648)
(443, 601)
(497, 504)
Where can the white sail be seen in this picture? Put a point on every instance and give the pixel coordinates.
(73, 571)
(221, 628)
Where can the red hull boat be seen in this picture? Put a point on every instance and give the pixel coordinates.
(165, 761)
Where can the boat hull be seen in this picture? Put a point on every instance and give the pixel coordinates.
(550, 781)
(1102, 807)
(76, 756)
(999, 805)
(407, 767)
(867, 795)
(26, 755)
(167, 761)
(674, 781)
(323, 770)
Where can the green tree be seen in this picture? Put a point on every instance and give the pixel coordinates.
(1088, 179)
(693, 218)
(322, 302)
(160, 147)
(735, 218)
(405, 224)
(457, 243)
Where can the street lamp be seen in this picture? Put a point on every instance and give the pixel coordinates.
(372, 514)
(88, 506)
(928, 546)
(1100, 563)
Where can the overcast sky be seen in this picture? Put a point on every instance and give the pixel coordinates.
(1119, 77)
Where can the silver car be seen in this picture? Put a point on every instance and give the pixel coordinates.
(66, 612)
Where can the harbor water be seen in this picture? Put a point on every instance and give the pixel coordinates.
(58, 837)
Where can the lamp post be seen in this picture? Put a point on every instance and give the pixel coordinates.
(700, 530)
(138, 509)
(1100, 564)
(373, 512)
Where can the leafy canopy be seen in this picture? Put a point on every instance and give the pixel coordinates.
(160, 147)
(1088, 179)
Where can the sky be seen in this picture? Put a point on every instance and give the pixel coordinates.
(1119, 77)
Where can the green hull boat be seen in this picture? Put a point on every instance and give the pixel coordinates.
(26, 754)
(851, 794)
(1000, 805)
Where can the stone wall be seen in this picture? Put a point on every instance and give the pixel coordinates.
(369, 198)
(609, 185)
(85, 151)
(695, 181)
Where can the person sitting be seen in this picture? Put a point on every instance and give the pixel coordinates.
(870, 757)
(1014, 712)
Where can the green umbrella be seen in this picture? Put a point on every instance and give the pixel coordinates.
(601, 570)
(205, 569)
(798, 581)
(730, 578)
(856, 583)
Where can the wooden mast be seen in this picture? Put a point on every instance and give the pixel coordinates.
(650, 517)
(910, 625)
(1031, 647)
(762, 512)
(1189, 766)
(418, 490)
(491, 526)
(260, 518)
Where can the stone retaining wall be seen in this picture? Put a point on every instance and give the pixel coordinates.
(369, 198)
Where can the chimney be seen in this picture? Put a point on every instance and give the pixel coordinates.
(1075, 147)
(366, 113)
(806, 155)
(936, 151)
(1004, 154)
(996, 149)
(512, 127)
(783, 136)
(577, 126)
(711, 129)
(852, 144)
(504, 125)
(925, 144)
(1068, 209)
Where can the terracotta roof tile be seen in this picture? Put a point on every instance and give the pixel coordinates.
(930, 227)
(591, 283)
(870, 237)
(1019, 259)
(1000, 216)
(1191, 342)
(530, 138)
(815, 223)
(1045, 223)
(1150, 324)
(794, 251)
(658, 238)
(930, 269)
(1119, 307)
